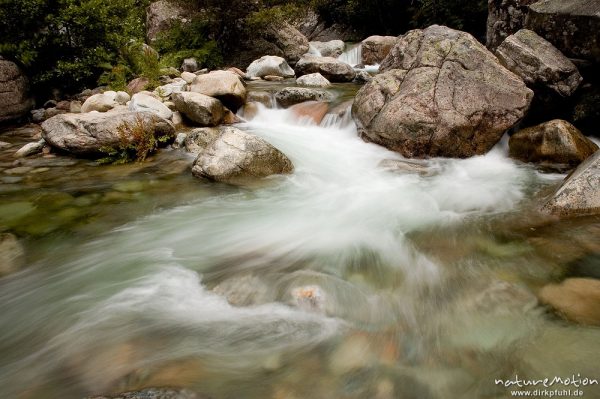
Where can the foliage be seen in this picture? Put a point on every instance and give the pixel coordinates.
(135, 59)
(135, 144)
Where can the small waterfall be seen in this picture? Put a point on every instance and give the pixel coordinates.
(338, 120)
(352, 55)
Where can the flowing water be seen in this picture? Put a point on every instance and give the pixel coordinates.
(342, 280)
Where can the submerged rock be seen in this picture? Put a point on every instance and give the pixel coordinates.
(313, 110)
(539, 63)
(225, 86)
(313, 80)
(554, 142)
(576, 299)
(204, 110)
(441, 93)
(15, 101)
(330, 68)
(12, 254)
(236, 157)
(294, 95)
(376, 48)
(270, 65)
(405, 166)
(153, 393)
(90, 134)
(579, 194)
(30, 149)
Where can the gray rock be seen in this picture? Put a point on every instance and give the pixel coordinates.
(554, 142)
(199, 139)
(190, 65)
(505, 17)
(270, 65)
(331, 68)
(12, 254)
(376, 48)
(573, 26)
(101, 102)
(38, 115)
(153, 393)
(313, 80)
(89, 134)
(179, 140)
(332, 48)
(362, 77)
(15, 101)
(539, 63)
(145, 103)
(441, 93)
(162, 15)
(176, 86)
(30, 149)
(237, 157)
(199, 108)
(294, 95)
(226, 86)
(579, 194)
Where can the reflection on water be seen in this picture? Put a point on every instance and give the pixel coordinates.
(343, 280)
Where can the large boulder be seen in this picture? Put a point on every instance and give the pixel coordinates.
(579, 194)
(237, 157)
(441, 93)
(554, 142)
(505, 17)
(145, 102)
(103, 102)
(330, 68)
(376, 48)
(164, 14)
(573, 26)
(199, 108)
(14, 92)
(316, 29)
(226, 86)
(332, 48)
(270, 65)
(90, 134)
(539, 63)
(295, 95)
(199, 139)
(313, 80)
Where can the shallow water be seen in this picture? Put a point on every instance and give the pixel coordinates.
(343, 280)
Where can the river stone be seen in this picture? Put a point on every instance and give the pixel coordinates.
(579, 194)
(89, 134)
(199, 139)
(14, 92)
(573, 26)
(554, 142)
(236, 157)
(376, 48)
(539, 63)
(294, 95)
(12, 254)
(101, 102)
(144, 102)
(505, 17)
(576, 299)
(313, 80)
(153, 393)
(204, 110)
(331, 68)
(332, 48)
(30, 149)
(188, 77)
(226, 86)
(441, 93)
(269, 65)
(263, 97)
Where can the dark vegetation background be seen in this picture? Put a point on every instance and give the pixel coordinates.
(68, 45)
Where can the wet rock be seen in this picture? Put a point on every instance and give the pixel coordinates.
(236, 157)
(30, 149)
(201, 109)
(12, 254)
(294, 95)
(352, 354)
(263, 97)
(230, 118)
(272, 78)
(145, 103)
(313, 80)
(554, 142)
(505, 17)
(441, 93)
(137, 85)
(331, 68)
(189, 65)
(38, 115)
(246, 290)
(89, 134)
(199, 139)
(19, 170)
(224, 85)
(177, 118)
(376, 48)
(572, 26)
(406, 166)
(539, 63)
(313, 110)
(576, 299)
(153, 393)
(101, 102)
(310, 298)
(4, 144)
(579, 194)
(362, 77)
(180, 140)
(270, 65)
(249, 110)
(15, 101)
(332, 48)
